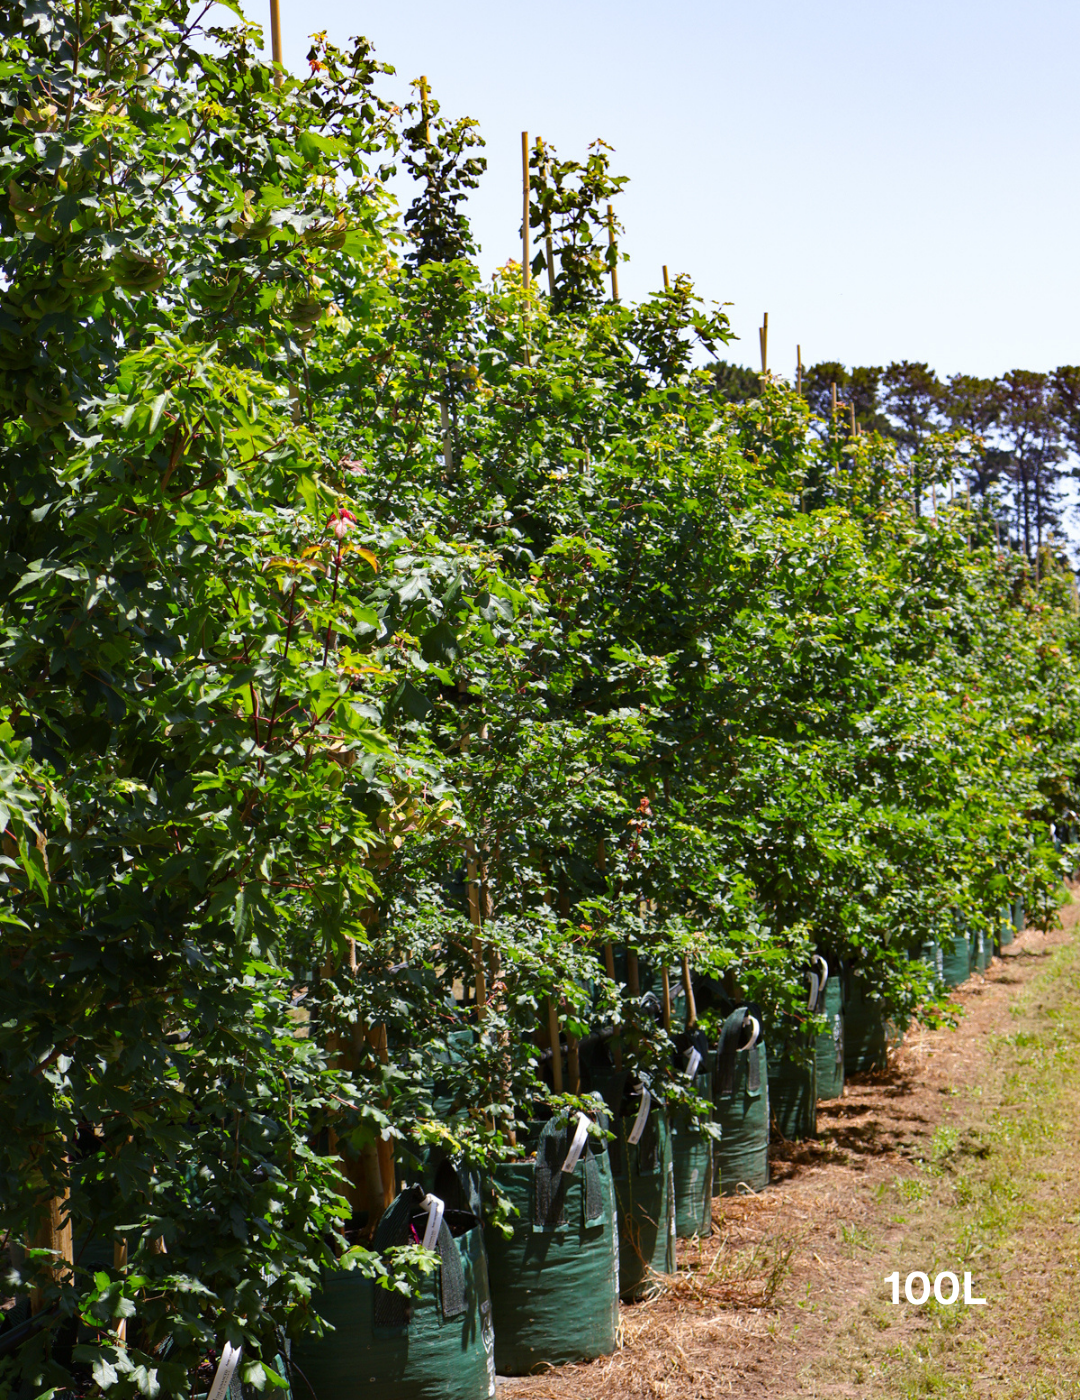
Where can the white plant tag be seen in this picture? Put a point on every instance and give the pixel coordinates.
(634, 1135)
(693, 1061)
(230, 1359)
(577, 1146)
(435, 1211)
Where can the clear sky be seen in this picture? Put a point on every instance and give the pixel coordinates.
(887, 181)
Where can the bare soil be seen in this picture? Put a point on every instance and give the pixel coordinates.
(942, 1162)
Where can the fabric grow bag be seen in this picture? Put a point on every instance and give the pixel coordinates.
(933, 955)
(644, 1179)
(827, 998)
(555, 1281)
(793, 1091)
(437, 1345)
(956, 960)
(741, 1103)
(691, 1145)
(865, 1034)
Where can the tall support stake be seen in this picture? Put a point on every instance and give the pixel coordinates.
(833, 411)
(526, 257)
(54, 1233)
(611, 244)
(549, 254)
(798, 370)
(763, 341)
(556, 1048)
(854, 425)
(666, 978)
(474, 917)
(275, 40)
(667, 280)
(688, 988)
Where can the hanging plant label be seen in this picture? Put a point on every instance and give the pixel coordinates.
(577, 1146)
(634, 1135)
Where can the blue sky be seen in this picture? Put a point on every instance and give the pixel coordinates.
(887, 182)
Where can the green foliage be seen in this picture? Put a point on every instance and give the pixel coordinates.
(374, 640)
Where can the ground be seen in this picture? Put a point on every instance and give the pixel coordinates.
(964, 1156)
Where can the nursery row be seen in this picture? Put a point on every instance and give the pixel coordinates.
(426, 704)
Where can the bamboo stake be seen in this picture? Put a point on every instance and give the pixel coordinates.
(611, 244)
(423, 108)
(447, 436)
(556, 1050)
(834, 401)
(549, 255)
(120, 1259)
(798, 370)
(688, 988)
(632, 979)
(667, 281)
(526, 275)
(384, 1151)
(275, 38)
(474, 916)
(573, 1063)
(763, 341)
(53, 1233)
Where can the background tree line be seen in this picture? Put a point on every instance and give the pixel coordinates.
(1020, 432)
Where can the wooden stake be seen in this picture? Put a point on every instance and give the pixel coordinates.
(549, 255)
(611, 244)
(798, 370)
(763, 341)
(834, 401)
(633, 982)
(474, 915)
(573, 1064)
(526, 274)
(667, 998)
(688, 988)
(53, 1233)
(275, 38)
(384, 1150)
(424, 108)
(556, 1051)
(667, 281)
(120, 1259)
(854, 425)
(447, 436)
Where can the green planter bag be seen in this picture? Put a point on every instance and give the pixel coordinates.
(741, 1102)
(438, 1345)
(691, 1146)
(981, 952)
(956, 960)
(865, 1034)
(934, 956)
(793, 1091)
(829, 1047)
(555, 1281)
(643, 1174)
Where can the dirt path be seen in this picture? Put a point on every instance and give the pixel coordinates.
(963, 1157)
